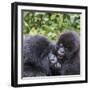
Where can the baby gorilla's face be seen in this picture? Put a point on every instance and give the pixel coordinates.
(54, 64)
(60, 51)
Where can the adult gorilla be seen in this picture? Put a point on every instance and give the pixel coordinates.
(39, 57)
(71, 60)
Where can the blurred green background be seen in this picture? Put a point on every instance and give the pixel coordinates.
(49, 24)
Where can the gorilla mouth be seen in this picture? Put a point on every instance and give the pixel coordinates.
(61, 55)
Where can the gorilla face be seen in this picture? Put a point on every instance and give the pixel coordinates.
(53, 61)
(70, 42)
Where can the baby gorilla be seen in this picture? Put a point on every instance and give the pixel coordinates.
(71, 61)
(54, 64)
(38, 57)
(56, 59)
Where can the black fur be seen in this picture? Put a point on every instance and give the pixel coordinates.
(35, 56)
(71, 61)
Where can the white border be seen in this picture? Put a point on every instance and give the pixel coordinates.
(31, 80)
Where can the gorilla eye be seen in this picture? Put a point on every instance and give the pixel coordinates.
(69, 48)
(66, 49)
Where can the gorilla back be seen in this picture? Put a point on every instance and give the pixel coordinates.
(35, 60)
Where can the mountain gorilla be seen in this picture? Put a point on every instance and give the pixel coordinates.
(39, 57)
(71, 60)
(43, 58)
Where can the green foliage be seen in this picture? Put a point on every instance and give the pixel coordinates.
(49, 24)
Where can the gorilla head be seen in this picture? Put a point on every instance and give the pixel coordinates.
(71, 59)
(70, 41)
